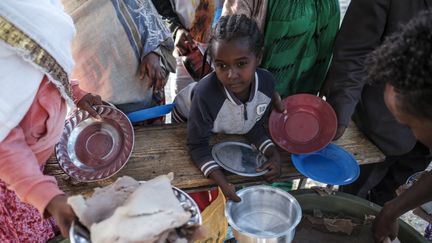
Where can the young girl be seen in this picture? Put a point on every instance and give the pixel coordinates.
(35, 65)
(234, 99)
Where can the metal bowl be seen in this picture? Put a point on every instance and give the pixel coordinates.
(265, 214)
(78, 233)
(91, 149)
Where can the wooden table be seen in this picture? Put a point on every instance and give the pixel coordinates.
(162, 149)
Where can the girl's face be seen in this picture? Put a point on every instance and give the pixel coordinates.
(235, 65)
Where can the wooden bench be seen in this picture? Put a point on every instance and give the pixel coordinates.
(162, 149)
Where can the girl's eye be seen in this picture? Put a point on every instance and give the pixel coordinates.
(241, 63)
(221, 65)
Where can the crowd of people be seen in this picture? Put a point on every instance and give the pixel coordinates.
(374, 69)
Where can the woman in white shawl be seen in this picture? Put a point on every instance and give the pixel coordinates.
(35, 67)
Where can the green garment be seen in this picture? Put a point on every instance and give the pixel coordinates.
(298, 43)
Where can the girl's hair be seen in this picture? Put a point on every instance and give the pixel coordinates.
(233, 27)
(404, 61)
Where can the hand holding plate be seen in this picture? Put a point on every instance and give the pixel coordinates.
(87, 102)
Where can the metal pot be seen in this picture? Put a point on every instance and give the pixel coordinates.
(265, 214)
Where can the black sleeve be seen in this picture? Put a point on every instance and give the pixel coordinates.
(168, 14)
(258, 134)
(361, 32)
(200, 125)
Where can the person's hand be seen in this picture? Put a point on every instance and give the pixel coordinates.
(339, 132)
(184, 42)
(87, 102)
(385, 226)
(272, 164)
(62, 213)
(278, 104)
(150, 66)
(228, 190)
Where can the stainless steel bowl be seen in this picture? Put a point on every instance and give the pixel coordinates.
(265, 214)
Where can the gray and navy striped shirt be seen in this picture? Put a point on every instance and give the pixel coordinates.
(214, 109)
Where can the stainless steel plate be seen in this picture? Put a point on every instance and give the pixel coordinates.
(239, 158)
(80, 234)
(91, 149)
(189, 205)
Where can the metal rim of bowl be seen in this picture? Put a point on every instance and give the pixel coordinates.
(189, 198)
(290, 197)
(222, 144)
(82, 114)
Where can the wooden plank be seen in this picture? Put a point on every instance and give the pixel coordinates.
(162, 149)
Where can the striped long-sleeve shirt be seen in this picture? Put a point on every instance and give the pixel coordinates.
(214, 109)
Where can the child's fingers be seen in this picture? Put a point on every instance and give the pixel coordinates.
(264, 166)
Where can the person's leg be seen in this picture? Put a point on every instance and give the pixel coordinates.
(404, 166)
(354, 188)
(21, 222)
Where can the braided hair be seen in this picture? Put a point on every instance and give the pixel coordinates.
(405, 62)
(233, 27)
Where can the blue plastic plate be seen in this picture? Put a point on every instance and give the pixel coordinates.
(330, 165)
(145, 114)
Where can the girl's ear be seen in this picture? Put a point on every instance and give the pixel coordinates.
(259, 56)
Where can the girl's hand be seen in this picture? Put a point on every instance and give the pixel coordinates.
(229, 192)
(278, 104)
(150, 66)
(228, 189)
(87, 102)
(62, 213)
(272, 164)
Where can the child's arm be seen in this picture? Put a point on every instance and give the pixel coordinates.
(227, 188)
(200, 125)
(258, 136)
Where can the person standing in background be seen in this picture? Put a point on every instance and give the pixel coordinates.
(298, 39)
(190, 23)
(123, 51)
(351, 96)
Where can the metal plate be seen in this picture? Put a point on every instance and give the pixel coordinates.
(78, 233)
(239, 158)
(189, 205)
(91, 149)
